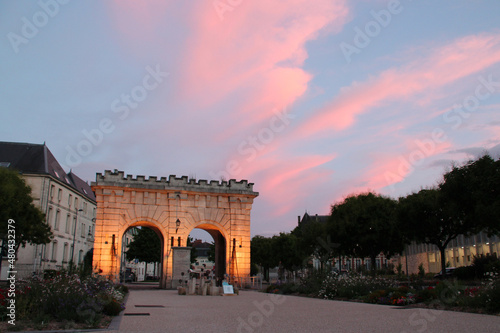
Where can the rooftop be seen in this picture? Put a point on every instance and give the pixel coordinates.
(30, 158)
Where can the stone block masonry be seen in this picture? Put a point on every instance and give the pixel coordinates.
(221, 208)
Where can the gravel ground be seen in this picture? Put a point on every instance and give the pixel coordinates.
(258, 312)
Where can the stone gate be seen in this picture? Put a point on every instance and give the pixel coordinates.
(173, 207)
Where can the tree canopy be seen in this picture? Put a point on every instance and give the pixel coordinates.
(314, 240)
(474, 191)
(466, 202)
(365, 225)
(145, 246)
(285, 248)
(16, 203)
(261, 249)
(192, 254)
(427, 217)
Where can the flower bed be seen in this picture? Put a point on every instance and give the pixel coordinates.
(65, 298)
(448, 294)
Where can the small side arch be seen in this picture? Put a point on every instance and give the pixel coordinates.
(221, 238)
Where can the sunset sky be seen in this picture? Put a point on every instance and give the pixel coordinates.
(309, 100)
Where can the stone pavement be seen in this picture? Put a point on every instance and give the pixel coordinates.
(258, 312)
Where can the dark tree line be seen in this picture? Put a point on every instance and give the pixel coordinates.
(465, 202)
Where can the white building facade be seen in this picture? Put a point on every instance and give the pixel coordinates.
(67, 202)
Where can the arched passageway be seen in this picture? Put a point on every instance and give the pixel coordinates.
(144, 263)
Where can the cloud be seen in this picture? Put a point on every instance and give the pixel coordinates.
(284, 180)
(476, 152)
(252, 58)
(438, 68)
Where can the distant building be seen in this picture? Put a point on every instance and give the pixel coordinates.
(459, 252)
(66, 200)
(202, 256)
(202, 248)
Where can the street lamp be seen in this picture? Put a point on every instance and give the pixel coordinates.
(74, 238)
(177, 225)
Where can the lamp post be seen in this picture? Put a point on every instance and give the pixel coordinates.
(74, 238)
(177, 225)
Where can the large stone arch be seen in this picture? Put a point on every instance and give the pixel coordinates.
(221, 207)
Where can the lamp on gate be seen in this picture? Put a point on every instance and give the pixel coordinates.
(177, 225)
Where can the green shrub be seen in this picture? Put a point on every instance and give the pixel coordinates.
(66, 297)
(493, 267)
(489, 294)
(482, 264)
(421, 270)
(448, 292)
(465, 273)
(375, 296)
(426, 295)
(289, 288)
(311, 284)
(122, 288)
(112, 308)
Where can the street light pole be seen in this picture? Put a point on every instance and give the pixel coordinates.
(74, 238)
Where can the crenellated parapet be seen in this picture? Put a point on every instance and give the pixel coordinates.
(118, 179)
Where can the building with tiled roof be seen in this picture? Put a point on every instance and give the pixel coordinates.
(67, 201)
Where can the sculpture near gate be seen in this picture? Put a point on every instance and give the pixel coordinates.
(173, 207)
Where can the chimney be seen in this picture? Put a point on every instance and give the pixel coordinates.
(298, 217)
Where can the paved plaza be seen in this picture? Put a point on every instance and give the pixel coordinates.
(157, 310)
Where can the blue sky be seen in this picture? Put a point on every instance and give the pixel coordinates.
(309, 101)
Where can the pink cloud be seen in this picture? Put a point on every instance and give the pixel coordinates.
(253, 55)
(389, 169)
(283, 180)
(441, 66)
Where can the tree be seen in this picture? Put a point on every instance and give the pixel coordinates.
(285, 249)
(429, 217)
(261, 250)
(466, 202)
(192, 255)
(313, 240)
(211, 252)
(474, 191)
(365, 225)
(145, 247)
(16, 204)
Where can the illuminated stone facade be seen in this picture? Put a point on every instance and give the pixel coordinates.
(221, 208)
